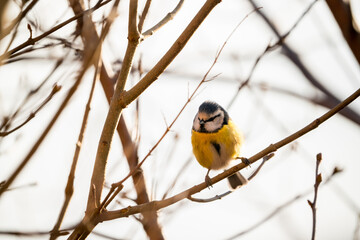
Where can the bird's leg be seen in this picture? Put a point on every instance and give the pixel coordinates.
(208, 180)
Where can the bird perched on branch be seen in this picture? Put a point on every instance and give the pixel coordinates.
(216, 141)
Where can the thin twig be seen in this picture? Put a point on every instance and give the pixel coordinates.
(55, 89)
(16, 21)
(318, 180)
(265, 159)
(207, 200)
(307, 10)
(269, 48)
(246, 82)
(144, 14)
(33, 184)
(15, 24)
(170, 16)
(6, 124)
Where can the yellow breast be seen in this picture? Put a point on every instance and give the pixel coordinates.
(229, 140)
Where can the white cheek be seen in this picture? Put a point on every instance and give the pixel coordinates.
(214, 125)
(196, 123)
(211, 126)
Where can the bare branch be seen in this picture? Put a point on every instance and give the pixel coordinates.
(318, 180)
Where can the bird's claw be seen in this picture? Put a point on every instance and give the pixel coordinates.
(244, 160)
(208, 181)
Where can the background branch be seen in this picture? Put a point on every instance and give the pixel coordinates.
(294, 57)
(343, 16)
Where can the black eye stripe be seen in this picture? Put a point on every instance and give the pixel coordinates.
(212, 118)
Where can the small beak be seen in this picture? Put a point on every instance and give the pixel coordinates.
(202, 122)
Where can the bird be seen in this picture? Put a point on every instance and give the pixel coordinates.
(216, 141)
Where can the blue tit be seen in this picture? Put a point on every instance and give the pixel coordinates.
(216, 141)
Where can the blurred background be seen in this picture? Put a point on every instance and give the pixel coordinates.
(269, 92)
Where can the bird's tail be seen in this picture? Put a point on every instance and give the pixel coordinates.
(237, 180)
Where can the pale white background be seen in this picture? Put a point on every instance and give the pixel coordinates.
(264, 117)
